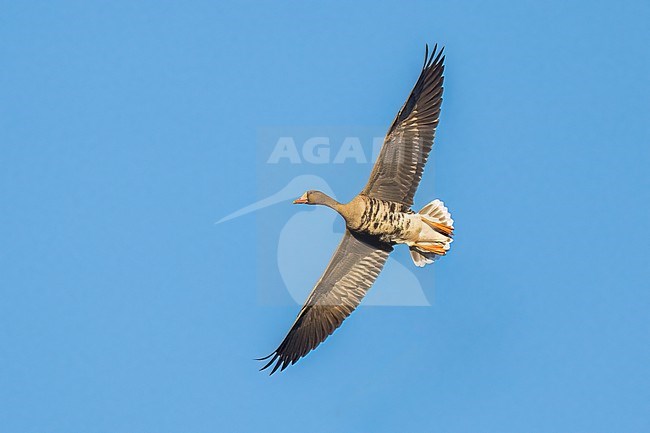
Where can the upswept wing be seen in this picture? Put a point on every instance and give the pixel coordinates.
(398, 170)
(354, 267)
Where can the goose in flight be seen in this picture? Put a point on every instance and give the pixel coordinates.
(376, 220)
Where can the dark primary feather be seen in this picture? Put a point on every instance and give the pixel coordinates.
(354, 267)
(398, 170)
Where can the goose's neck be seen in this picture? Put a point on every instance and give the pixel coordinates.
(328, 201)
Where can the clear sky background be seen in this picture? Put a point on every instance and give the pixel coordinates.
(128, 128)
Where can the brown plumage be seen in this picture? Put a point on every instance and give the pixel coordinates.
(376, 220)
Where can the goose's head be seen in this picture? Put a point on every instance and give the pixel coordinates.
(315, 197)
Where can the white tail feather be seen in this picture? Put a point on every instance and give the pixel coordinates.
(421, 260)
(436, 213)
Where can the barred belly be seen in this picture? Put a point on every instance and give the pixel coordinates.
(391, 222)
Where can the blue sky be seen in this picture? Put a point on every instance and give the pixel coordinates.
(128, 128)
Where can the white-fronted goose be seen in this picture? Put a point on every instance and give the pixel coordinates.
(376, 220)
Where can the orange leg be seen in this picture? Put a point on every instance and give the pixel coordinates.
(440, 228)
(432, 248)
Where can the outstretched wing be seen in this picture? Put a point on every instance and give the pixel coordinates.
(400, 164)
(353, 269)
